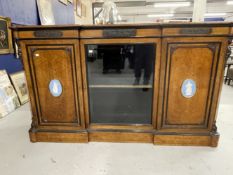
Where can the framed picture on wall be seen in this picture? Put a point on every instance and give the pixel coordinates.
(19, 81)
(5, 36)
(79, 8)
(8, 98)
(45, 12)
(83, 10)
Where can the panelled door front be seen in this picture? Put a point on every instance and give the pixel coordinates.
(56, 86)
(191, 67)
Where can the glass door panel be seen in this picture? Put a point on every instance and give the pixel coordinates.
(120, 83)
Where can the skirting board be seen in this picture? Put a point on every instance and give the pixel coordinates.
(79, 137)
(126, 137)
(187, 140)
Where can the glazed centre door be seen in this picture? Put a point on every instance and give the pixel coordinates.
(120, 81)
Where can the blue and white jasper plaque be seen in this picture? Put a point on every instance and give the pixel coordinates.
(55, 88)
(188, 88)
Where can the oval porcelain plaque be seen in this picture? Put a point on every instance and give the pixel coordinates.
(188, 88)
(55, 88)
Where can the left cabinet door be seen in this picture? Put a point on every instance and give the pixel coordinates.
(54, 79)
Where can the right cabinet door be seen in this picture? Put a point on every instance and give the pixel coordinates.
(191, 71)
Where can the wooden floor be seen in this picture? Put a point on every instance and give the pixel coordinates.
(19, 156)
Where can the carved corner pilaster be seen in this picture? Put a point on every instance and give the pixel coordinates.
(34, 123)
(228, 51)
(18, 50)
(214, 128)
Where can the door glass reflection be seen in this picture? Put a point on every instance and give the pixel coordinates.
(120, 83)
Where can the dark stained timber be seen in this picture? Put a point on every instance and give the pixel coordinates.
(48, 34)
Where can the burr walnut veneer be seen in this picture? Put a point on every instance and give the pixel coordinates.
(84, 82)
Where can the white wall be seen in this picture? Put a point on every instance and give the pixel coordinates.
(230, 18)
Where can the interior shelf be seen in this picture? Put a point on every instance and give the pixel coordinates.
(121, 86)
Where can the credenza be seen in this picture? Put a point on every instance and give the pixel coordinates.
(150, 83)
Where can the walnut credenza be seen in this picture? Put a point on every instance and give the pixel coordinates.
(84, 82)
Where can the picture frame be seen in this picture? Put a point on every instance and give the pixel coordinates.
(46, 12)
(8, 98)
(83, 6)
(6, 45)
(19, 81)
(65, 2)
(79, 8)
